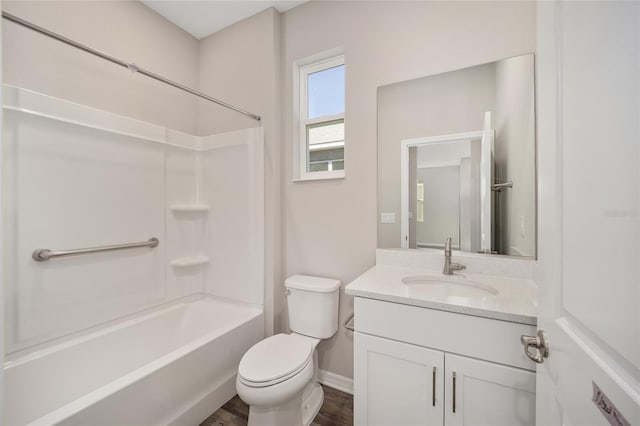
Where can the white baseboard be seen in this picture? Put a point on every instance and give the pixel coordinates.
(336, 381)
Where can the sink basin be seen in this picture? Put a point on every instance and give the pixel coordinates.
(446, 287)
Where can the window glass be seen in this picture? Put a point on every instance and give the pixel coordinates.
(325, 92)
(325, 146)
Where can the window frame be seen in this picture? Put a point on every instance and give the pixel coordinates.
(301, 152)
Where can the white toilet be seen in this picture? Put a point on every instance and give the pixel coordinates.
(278, 377)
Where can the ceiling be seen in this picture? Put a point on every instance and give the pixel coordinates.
(203, 17)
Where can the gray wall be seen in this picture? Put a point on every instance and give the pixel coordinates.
(384, 43)
(515, 154)
(128, 30)
(453, 102)
(466, 202)
(241, 64)
(441, 218)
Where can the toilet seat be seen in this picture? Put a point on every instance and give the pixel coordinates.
(274, 360)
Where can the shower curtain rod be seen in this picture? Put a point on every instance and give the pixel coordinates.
(130, 66)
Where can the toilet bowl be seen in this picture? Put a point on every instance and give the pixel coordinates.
(273, 376)
(278, 376)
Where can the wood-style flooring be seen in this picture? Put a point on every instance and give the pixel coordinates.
(337, 410)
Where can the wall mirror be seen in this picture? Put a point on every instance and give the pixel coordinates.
(456, 158)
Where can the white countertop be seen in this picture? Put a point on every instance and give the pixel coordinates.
(516, 300)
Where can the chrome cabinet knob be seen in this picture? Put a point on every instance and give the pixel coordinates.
(540, 343)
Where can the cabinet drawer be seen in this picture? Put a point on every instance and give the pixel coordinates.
(494, 340)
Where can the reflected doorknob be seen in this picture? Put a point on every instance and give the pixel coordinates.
(541, 344)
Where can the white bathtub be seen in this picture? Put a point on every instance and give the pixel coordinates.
(172, 365)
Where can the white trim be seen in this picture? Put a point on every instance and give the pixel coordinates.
(336, 381)
(405, 144)
(486, 180)
(319, 57)
(321, 65)
(452, 137)
(326, 145)
(333, 174)
(302, 68)
(404, 193)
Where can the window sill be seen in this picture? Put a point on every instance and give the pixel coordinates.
(335, 174)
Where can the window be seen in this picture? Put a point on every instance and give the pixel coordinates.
(320, 144)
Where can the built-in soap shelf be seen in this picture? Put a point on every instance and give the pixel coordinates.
(190, 208)
(188, 261)
(188, 211)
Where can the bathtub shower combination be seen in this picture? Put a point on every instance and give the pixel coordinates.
(148, 334)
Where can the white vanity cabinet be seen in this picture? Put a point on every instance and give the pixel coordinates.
(406, 358)
(487, 393)
(396, 383)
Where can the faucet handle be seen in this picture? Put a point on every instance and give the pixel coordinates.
(447, 245)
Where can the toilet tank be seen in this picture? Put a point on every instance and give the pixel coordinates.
(313, 305)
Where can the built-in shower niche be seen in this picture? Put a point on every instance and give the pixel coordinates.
(75, 177)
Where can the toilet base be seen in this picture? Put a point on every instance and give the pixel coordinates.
(288, 413)
(312, 399)
(298, 411)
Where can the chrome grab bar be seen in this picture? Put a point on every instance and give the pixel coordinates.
(41, 255)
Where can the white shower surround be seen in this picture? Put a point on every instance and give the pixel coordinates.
(75, 176)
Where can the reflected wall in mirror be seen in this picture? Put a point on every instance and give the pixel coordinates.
(456, 158)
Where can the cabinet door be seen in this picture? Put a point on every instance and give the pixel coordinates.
(396, 383)
(483, 393)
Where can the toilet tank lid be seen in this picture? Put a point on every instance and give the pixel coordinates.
(309, 283)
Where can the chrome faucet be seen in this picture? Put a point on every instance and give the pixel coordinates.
(448, 266)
